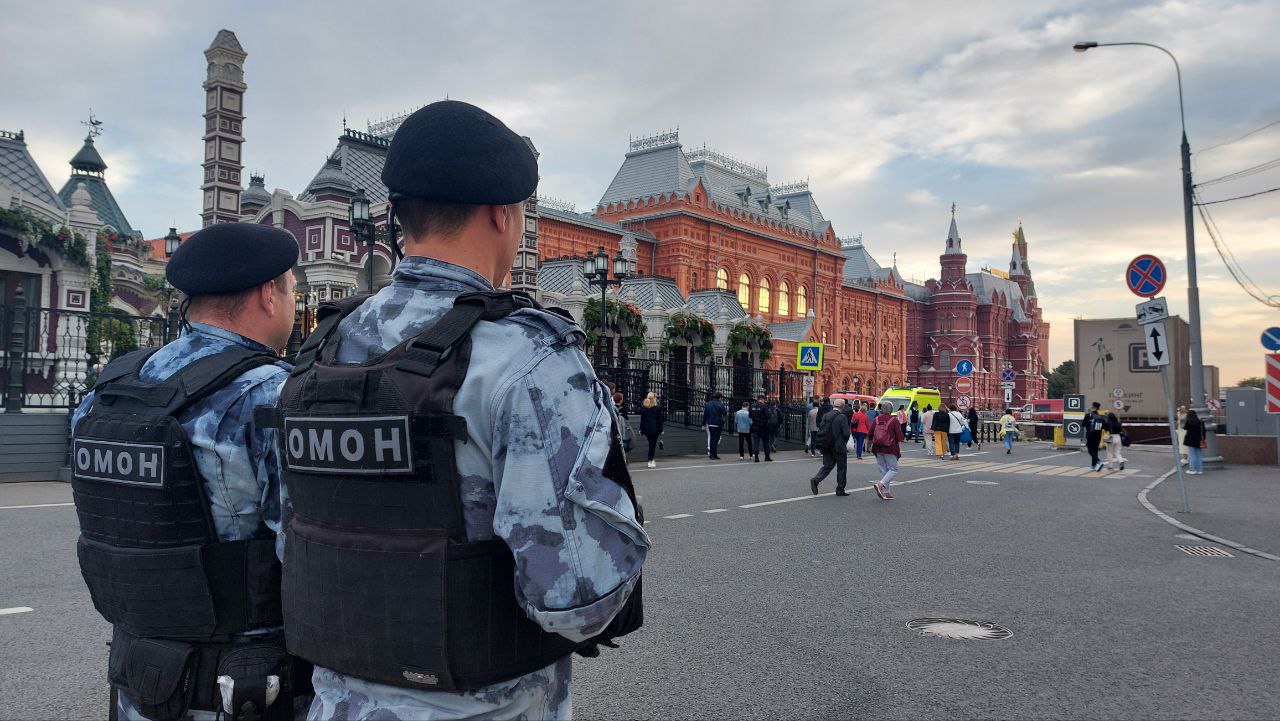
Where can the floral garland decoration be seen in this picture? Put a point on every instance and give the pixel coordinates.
(747, 333)
(61, 240)
(683, 326)
(617, 316)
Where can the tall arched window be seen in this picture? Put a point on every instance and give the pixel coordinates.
(762, 296)
(744, 292)
(802, 301)
(784, 298)
(722, 279)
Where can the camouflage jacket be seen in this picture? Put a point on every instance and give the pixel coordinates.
(236, 458)
(539, 424)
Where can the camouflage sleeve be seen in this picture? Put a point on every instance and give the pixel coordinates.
(578, 547)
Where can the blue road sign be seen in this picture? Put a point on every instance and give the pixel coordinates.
(964, 368)
(809, 356)
(1008, 375)
(1145, 275)
(1271, 339)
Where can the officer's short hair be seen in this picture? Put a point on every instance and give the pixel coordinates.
(229, 305)
(421, 218)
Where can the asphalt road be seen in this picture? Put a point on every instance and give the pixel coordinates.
(796, 606)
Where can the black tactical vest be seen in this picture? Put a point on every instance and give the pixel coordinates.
(150, 554)
(380, 581)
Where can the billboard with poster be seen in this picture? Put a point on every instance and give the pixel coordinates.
(1112, 366)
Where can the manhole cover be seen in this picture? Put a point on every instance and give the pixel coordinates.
(983, 483)
(1211, 551)
(959, 628)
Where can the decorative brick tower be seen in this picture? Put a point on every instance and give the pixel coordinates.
(524, 269)
(223, 129)
(952, 330)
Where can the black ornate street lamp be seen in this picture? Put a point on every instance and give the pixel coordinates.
(362, 228)
(171, 242)
(595, 268)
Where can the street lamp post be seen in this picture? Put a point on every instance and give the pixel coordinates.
(363, 228)
(1198, 399)
(171, 242)
(595, 268)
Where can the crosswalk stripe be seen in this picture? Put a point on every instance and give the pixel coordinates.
(1055, 470)
(1076, 471)
(1014, 469)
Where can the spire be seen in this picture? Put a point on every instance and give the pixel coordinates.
(953, 235)
(1019, 270)
(88, 160)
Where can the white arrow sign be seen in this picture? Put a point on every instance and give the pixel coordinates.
(1157, 344)
(1153, 311)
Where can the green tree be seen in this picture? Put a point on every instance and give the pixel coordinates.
(1063, 379)
(1254, 382)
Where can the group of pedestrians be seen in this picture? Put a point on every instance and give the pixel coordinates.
(757, 425)
(834, 432)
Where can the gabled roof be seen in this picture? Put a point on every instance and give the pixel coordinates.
(587, 220)
(715, 305)
(795, 331)
(649, 292)
(360, 157)
(658, 170)
(19, 171)
(984, 284)
(858, 263)
(558, 276)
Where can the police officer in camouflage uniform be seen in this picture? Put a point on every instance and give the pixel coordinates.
(240, 285)
(540, 426)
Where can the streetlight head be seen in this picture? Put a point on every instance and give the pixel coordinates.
(1081, 47)
(171, 242)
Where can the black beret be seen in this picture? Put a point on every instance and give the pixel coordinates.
(227, 257)
(454, 152)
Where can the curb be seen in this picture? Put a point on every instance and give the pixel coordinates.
(1142, 497)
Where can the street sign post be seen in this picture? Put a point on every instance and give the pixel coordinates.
(963, 402)
(1145, 276)
(964, 368)
(1008, 394)
(1008, 375)
(964, 384)
(1157, 336)
(1073, 415)
(1271, 339)
(1153, 311)
(809, 356)
(808, 385)
(1273, 383)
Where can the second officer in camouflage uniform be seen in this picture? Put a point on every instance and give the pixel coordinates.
(539, 422)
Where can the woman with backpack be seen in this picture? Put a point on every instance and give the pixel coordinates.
(886, 434)
(651, 421)
(957, 424)
(1008, 430)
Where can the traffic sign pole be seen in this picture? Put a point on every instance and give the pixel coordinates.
(1173, 438)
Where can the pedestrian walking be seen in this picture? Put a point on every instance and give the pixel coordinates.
(941, 431)
(926, 423)
(860, 426)
(471, 463)
(651, 422)
(742, 424)
(714, 414)
(178, 534)
(1182, 433)
(886, 435)
(1008, 430)
(957, 424)
(811, 428)
(624, 419)
(833, 439)
(914, 420)
(761, 417)
(1194, 443)
(975, 426)
(1094, 424)
(1115, 441)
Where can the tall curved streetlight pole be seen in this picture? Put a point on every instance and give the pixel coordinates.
(1198, 399)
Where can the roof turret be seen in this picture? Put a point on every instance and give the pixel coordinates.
(88, 160)
(256, 196)
(331, 180)
(953, 236)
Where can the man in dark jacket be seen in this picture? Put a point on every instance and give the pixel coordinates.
(914, 419)
(713, 416)
(833, 434)
(761, 417)
(1094, 422)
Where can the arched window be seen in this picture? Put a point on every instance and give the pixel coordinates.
(802, 301)
(744, 292)
(762, 296)
(722, 279)
(784, 298)
(694, 285)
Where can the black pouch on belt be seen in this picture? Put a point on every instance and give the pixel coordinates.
(248, 667)
(159, 674)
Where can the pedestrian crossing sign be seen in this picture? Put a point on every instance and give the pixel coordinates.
(809, 357)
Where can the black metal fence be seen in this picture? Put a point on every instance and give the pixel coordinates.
(684, 388)
(50, 357)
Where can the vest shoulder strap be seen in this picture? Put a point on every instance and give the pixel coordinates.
(327, 318)
(126, 365)
(200, 379)
(423, 354)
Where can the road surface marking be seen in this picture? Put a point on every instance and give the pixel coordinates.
(15, 609)
(1142, 496)
(1014, 469)
(708, 466)
(679, 515)
(1055, 470)
(716, 510)
(36, 505)
(1077, 471)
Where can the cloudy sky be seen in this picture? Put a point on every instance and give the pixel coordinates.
(892, 111)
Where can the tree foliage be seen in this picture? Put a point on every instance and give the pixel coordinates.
(1254, 382)
(1063, 379)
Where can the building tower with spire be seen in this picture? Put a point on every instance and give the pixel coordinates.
(224, 89)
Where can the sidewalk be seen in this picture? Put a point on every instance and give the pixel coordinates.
(1238, 503)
